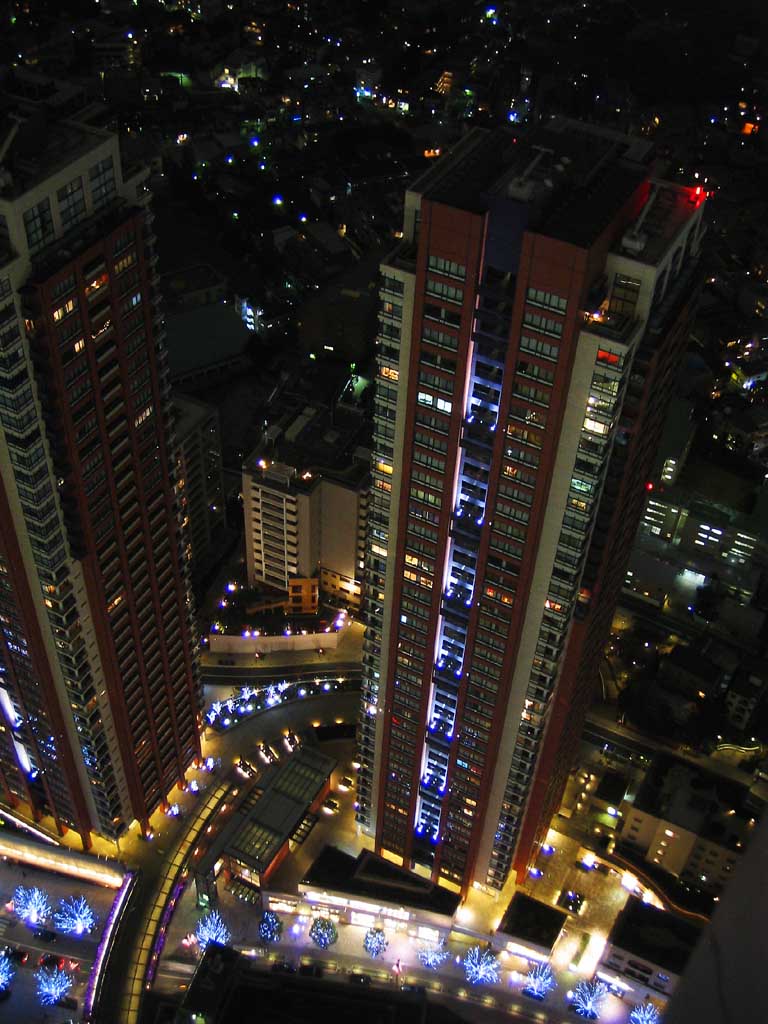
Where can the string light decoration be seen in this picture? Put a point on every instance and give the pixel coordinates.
(323, 932)
(52, 985)
(481, 966)
(375, 942)
(433, 955)
(211, 928)
(588, 998)
(31, 904)
(539, 981)
(75, 916)
(270, 927)
(7, 972)
(645, 1013)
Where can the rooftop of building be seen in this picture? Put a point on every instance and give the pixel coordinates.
(225, 981)
(271, 812)
(373, 877)
(529, 920)
(660, 936)
(312, 442)
(574, 177)
(203, 337)
(612, 788)
(711, 806)
(39, 130)
(189, 414)
(688, 659)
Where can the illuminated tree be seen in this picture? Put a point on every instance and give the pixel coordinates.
(433, 955)
(7, 972)
(481, 966)
(539, 981)
(588, 998)
(31, 904)
(375, 942)
(323, 932)
(211, 928)
(52, 985)
(645, 1013)
(270, 927)
(75, 916)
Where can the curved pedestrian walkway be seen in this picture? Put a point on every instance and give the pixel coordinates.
(147, 933)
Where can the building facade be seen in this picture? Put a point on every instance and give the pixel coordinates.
(199, 482)
(538, 299)
(301, 523)
(99, 692)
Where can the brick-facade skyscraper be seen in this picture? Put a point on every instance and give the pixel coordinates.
(99, 691)
(531, 322)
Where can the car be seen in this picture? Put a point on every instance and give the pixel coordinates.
(311, 970)
(245, 767)
(345, 783)
(291, 740)
(45, 934)
(283, 967)
(571, 900)
(331, 806)
(360, 979)
(68, 1002)
(266, 753)
(530, 994)
(51, 960)
(16, 954)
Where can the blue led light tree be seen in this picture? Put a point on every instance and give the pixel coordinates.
(270, 927)
(211, 928)
(323, 932)
(75, 916)
(433, 955)
(375, 942)
(588, 998)
(31, 904)
(7, 972)
(539, 981)
(481, 966)
(645, 1013)
(52, 985)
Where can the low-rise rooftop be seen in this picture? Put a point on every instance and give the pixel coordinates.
(375, 878)
(660, 936)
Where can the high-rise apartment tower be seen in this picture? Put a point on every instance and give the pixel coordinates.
(531, 322)
(99, 695)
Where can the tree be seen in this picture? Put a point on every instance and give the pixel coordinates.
(481, 966)
(270, 927)
(375, 942)
(323, 932)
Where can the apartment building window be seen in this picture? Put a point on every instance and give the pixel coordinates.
(537, 347)
(393, 309)
(125, 262)
(543, 323)
(445, 291)
(547, 299)
(65, 309)
(391, 284)
(102, 177)
(535, 371)
(71, 203)
(447, 267)
(38, 225)
(440, 338)
(444, 315)
(626, 291)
